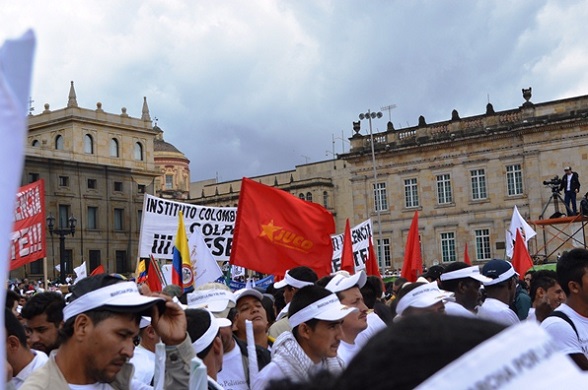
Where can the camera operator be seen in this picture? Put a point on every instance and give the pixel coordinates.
(584, 205)
(570, 183)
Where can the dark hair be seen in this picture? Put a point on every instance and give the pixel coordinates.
(400, 281)
(322, 282)
(544, 279)
(11, 297)
(304, 274)
(571, 266)
(96, 316)
(14, 327)
(49, 302)
(268, 305)
(198, 323)
(304, 297)
(279, 301)
(452, 284)
(371, 291)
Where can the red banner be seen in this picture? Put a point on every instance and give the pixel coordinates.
(28, 232)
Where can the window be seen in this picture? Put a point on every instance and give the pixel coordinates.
(121, 262)
(483, 244)
(309, 197)
(411, 194)
(138, 151)
(64, 181)
(68, 256)
(386, 248)
(325, 199)
(444, 195)
(448, 247)
(118, 219)
(35, 144)
(514, 180)
(114, 148)
(478, 177)
(92, 217)
(37, 267)
(94, 256)
(88, 144)
(64, 214)
(380, 199)
(141, 188)
(169, 182)
(33, 177)
(59, 142)
(91, 184)
(301, 196)
(118, 186)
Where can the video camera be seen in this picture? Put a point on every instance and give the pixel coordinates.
(554, 183)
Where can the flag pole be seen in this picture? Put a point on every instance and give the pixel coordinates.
(45, 273)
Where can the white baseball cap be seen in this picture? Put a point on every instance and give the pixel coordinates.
(469, 272)
(291, 281)
(341, 282)
(215, 300)
(327, 309)
(208, 336)
(421, 297)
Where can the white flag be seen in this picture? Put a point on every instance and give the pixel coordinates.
(517, 222)
(58, 267)
(237, 271)
(205, 267)
(81, 272)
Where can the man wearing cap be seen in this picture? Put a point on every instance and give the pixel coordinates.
(294, 279)
(101, 321)
(347, 287)
(500, 293)
(419, 298)
(568, 324)
(144, 356)
(204, 329)
(315, 315)
(570, 184)
(43, 315)
(219, 299)
(249, 307)
(464, 282)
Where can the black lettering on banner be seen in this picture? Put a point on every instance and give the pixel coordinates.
(337, 243)
(360, 256)
(161, 244)
(336, 264)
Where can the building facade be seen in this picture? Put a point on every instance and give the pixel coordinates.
(173, 181)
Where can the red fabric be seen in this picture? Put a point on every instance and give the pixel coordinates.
(347, 263)
(521, 260)
(466, 255)
(371, 265)
(154, 276)
(413, 261)
(98, 270)
(276, 231)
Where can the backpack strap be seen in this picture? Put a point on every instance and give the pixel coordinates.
(564, 316)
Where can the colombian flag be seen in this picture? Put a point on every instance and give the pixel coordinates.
(182, 273)
(141, 272)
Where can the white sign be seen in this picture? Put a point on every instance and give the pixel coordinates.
(360, 236)
(159, 226)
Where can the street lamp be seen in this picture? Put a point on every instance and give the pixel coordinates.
(377, 204)
(61, 233)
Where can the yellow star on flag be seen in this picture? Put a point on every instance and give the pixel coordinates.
(269, 229)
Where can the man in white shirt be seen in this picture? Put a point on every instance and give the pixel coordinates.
(568, 324)
(464, 282)
(22, 359)
(500, 293)
(347, 287)
(144, 356)
(546, 295)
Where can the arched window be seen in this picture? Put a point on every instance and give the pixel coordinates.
(301, 196)
(114, 148)
(36, 144)
(88, 144)
(309, 196)
(59, 142)
(325, 199)
(138, 151)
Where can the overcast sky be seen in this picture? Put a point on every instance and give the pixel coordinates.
(251, 87)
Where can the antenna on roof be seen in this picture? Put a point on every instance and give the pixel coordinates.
(31, 108)
(389, 109)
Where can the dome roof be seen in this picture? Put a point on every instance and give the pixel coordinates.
(160, 145)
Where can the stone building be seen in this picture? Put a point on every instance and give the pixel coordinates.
(174, 179)
(464, 176)
(96, 167)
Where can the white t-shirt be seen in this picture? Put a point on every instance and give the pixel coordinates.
(144, 362)
(497, 311)
(38, 361)
(532, 316)
(564, 334)
(375, 324)
(455, 309)
(232, 376)
(347, 351)
(94, 386)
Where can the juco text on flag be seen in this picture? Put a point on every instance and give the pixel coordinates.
(276, 231)
(182, 272)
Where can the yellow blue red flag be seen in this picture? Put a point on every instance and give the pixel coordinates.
(182, 272)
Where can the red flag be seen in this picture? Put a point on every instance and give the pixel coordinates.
(98, 270)
(413, 261)
(466, 255)
(154, 276)
(347, 263)
(28, 241)
(371, 264)
(521, 261)
(276, 231)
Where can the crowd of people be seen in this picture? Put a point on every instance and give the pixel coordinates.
(342, 331)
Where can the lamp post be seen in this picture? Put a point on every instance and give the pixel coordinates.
(71, 229)
(377, 204)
